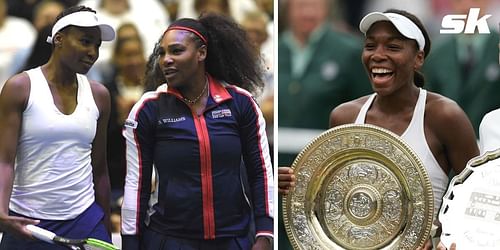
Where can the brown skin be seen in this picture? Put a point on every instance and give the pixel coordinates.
(262, 243)
(74, 52)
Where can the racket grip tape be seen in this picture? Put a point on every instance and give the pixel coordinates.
(41, 233)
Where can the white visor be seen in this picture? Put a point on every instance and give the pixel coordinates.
(404, 25)
(83, 19)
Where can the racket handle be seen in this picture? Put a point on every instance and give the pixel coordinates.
(41, 233)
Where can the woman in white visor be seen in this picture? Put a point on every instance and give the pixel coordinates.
(437, 129)
(53, 140)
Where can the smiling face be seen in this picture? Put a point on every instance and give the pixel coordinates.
(78, 47)
(181, 59)
(389, 58)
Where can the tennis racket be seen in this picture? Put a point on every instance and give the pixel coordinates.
(74, 244)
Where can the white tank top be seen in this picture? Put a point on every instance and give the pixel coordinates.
(53, 172)
(415, 137)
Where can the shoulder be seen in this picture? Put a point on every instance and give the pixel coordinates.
(237, 90)
(18, 82)
(17, 88)
(445, 117)
(347, 112)
(442, 109)
(100, 92)
(238, 93)
(98, 87)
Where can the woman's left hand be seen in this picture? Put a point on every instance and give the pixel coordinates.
(261, 243)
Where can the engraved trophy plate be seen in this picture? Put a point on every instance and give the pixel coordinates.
(470, 214)
(358, 187)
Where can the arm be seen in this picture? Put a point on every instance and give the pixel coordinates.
(347, 112)
(13, 101)
(99, 163)
(453, 131)
(451, 126)
(139, 139)
(259, 170)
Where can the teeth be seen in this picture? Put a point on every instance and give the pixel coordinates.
(380, 71)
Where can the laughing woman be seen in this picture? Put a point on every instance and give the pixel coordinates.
(437, 129)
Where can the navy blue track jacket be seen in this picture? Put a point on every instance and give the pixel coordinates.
(198, 161)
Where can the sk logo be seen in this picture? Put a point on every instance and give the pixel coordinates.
(455, 24)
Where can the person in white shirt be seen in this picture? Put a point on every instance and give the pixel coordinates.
(16, 34)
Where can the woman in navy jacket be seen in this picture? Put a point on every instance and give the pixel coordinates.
(204, 136)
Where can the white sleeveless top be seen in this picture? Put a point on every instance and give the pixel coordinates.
(415, 137)
(53, 171)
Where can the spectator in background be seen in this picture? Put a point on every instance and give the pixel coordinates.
(464, 68)
(318, 69)
(45, 12)
(267, 6)
(236, 9)
(267, 48)
(39, 53)
(172, 8)
(255, 24)
(44, 15)
(26, 8)
(149, 15)
(212, 6)
(125, 88)
(16, 34)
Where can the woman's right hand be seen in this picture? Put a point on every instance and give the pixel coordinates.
(286, 179)
(17, 225)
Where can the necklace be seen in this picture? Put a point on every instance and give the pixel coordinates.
(192, 102)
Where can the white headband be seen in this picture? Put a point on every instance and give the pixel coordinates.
(404, 25)
(83, 19)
